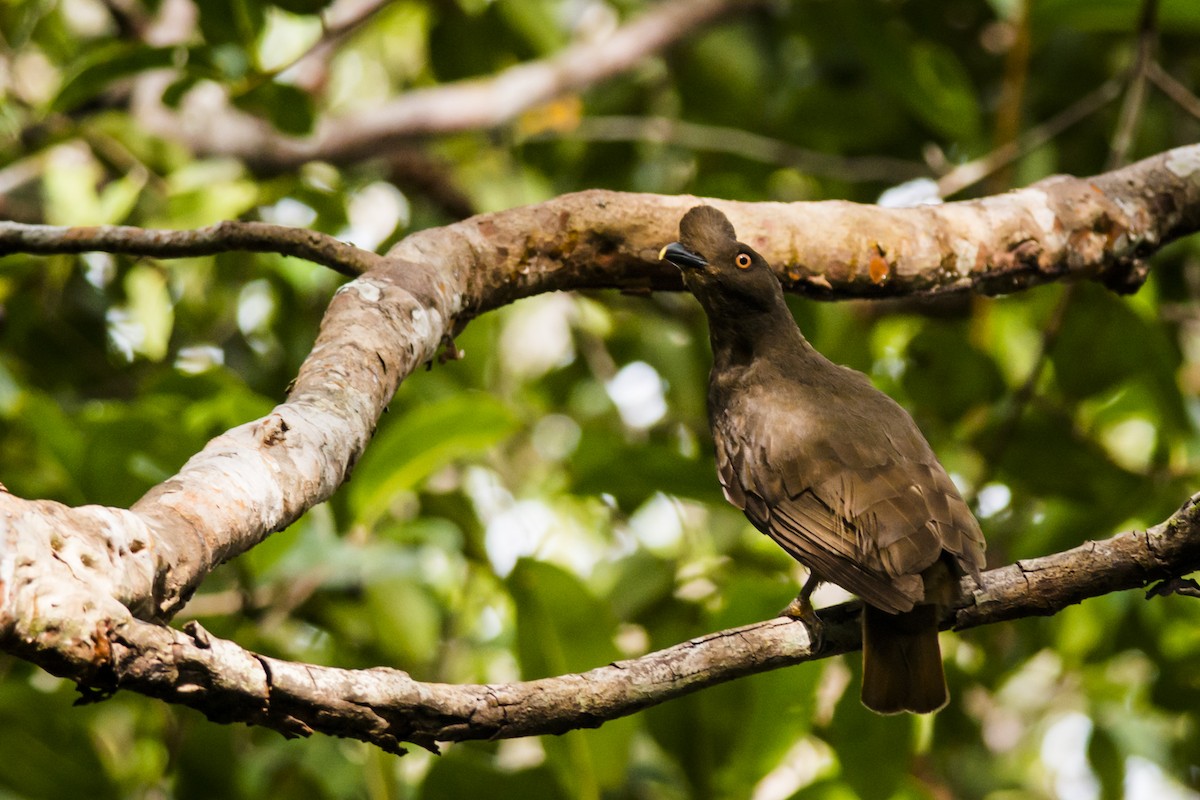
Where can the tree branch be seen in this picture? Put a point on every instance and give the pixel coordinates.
(1062, 227)
(386, 707)
(224, 237)
(477, 104)
(83, 591)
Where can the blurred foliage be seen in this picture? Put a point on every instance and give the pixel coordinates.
(549, 503)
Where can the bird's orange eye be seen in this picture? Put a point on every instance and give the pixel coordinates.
(742, 260)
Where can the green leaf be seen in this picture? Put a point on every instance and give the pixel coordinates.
(1103, 343)
(875, 752)
(926, 77)
(537, 21)
(1107, 763)
(36, 728)
(1047, 456)
(643, 580)
(150, 308)
(105, 64)
(204, 192)
(289, 109)
(301, 6)
(118, 198)
(406, 622)
(1113, 16)
(69, 188)
(948, 376)
(409, 449)
(941, 93)
(172, 96)
(465, 771)
(561, 628)
(606, 464)
(231, 21)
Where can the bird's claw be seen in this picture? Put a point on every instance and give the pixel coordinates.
(1181, 586)
(801, 609)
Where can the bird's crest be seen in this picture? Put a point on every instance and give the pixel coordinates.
(706, 230)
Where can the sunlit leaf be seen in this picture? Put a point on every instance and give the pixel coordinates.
(409, 449)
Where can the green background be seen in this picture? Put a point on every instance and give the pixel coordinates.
(508, 520)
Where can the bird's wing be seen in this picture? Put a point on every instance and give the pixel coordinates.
(867, 513)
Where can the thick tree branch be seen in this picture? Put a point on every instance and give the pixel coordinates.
(83, 590)
(259, 477)
(1062, 227)
(386, 707)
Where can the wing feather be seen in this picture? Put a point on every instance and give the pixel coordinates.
(867, 514)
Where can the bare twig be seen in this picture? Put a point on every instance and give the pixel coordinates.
(1135, 94)
(1184, 587)
(224, 237)
(970, 173)
(1173, 89)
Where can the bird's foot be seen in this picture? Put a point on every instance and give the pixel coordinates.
(801, 608)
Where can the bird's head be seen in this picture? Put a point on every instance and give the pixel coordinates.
(726, 276)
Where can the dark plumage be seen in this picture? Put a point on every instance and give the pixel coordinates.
(829, 467)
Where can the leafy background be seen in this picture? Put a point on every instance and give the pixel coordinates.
(549, 503)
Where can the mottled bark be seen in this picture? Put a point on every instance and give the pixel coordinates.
(387, 708)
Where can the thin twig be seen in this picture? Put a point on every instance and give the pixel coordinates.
(224, 237)
(1012, 92)
(1135, 95)
(972, 172)
(1173, 89)
(1024, 393)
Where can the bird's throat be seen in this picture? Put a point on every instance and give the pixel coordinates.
(760, 333)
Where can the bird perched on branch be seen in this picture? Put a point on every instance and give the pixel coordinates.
(832, 469)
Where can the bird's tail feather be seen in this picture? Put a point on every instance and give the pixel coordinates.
(902, 663)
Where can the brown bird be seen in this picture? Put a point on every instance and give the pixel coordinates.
(832, 469)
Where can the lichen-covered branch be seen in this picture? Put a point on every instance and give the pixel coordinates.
(84, 591)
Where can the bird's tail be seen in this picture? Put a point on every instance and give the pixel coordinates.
(902, 663)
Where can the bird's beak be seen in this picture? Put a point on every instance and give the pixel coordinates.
(681, 257)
